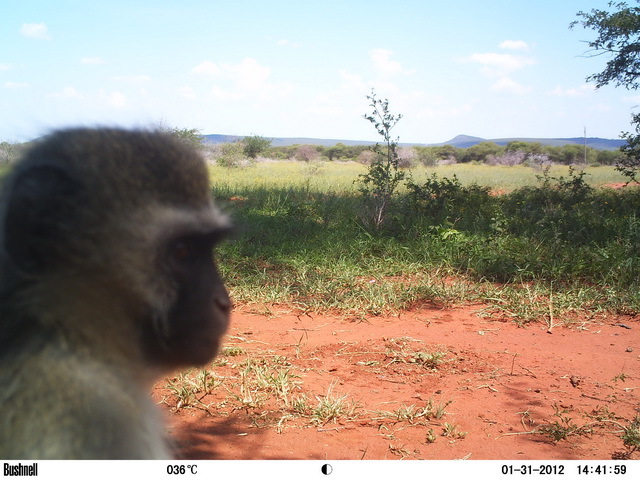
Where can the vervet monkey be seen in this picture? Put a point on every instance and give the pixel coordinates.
(107, 281)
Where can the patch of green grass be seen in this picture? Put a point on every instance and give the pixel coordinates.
(563, 426)
(340, 176)
(331, 407)
(270, 391)
(631, 435)
(191, 387)
(554, 247)
(232, 351)
(451, 431)
(328, 177)
(621, 377)
(414, 414)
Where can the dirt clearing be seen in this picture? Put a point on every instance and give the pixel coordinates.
(427, 384)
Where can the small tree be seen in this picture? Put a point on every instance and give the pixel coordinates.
(407, 157)
(254, 145)
(384, 175)
(427, 155)
(190, 136)
(9, 152)
(480, 152)
(231, 155)
(336, 152)
(366, 157)
(306, 153)
(509, 157)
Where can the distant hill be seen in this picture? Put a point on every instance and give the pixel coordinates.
(286, 142)
(461, 141)
(465, 141)
(215, 138)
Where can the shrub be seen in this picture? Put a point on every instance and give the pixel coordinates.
(561, 209)
(367, 157)
(10, 152)
(407, 157)
(446, 200)
(231, 155)
(254, 145)
(306, 153)
(508, 158)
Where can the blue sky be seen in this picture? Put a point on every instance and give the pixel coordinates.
(491, 69)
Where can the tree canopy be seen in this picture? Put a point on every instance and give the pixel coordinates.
(618, 34)
(254, 145)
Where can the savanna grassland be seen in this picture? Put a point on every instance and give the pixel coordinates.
(492, 316)
(487, 230)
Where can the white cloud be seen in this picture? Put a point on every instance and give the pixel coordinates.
(116, 100)
(496, 64)
(207, 68)
(507, 85)
(580, 91)
(225, 95)
(352, 81)
(137, 79)
(286, 43)
(326, 104)
(242, 80)
(15, 85)
(248, 74)
(92, 60)
(5, 67)
(514, 45)
(500, 66)
(382, 62)
(187, 92)
(444, 112)
(35, 30)
(65, 93)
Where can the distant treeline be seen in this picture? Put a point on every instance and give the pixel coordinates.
(514, 153)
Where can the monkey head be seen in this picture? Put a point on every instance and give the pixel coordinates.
(108, 236)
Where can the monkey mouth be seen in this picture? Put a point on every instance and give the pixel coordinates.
(204, 341)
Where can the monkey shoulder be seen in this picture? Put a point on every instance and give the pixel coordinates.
(77, 408)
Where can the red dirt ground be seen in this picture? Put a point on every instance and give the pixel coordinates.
(504, 383)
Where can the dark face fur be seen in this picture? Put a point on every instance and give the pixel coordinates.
(198, 316)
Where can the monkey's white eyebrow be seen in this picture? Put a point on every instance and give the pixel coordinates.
(175, 222)
(211, 223)
(215, 235)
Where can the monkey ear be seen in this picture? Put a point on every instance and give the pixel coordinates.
(38, 204)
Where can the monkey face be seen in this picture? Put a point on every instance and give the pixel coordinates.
(189, 331)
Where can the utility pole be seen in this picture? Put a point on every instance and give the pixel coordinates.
(585, 146)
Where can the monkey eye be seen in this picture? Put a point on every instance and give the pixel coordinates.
(181, 250)
(195, 247)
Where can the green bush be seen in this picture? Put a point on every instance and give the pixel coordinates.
(447, 202)
(568, 210)
(231, 155)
